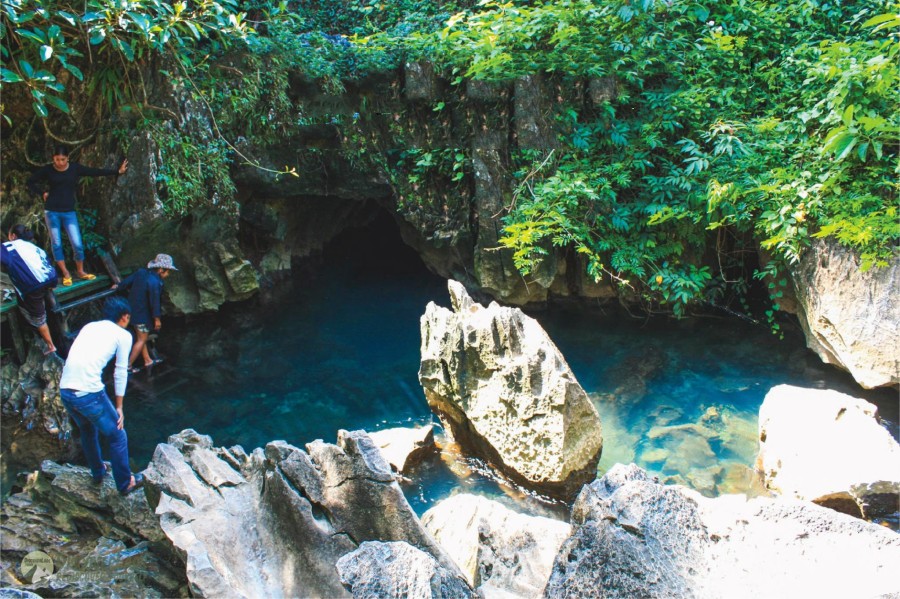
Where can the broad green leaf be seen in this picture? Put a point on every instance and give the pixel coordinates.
(847, 117)
(40, 109)
(8, 76)
(59, 103)
(74, 70)
(46, 53)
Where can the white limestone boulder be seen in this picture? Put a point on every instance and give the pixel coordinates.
(505, 393)
(828, 447)
(851, 318)
(636, 538)
(500, 552)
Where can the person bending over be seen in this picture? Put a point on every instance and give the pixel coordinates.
(60, 182)
(145, 292)
(84, 395)
(32, 276)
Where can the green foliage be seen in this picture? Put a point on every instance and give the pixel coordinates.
(192, 174)
(779, 121)
(43, 39)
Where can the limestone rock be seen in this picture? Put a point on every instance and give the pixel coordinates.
(101, 544)
(405, 447)
(850, 318)
(499, 551)
(398, 569)
(506, 394)
(276, 521)
(828, 447)
(636, 538)
(36, 425)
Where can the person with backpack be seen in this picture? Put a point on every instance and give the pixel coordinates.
(33, 277)
(61, 180)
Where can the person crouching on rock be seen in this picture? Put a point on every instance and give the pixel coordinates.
(145, 292)
(33, 277)
(84, 395)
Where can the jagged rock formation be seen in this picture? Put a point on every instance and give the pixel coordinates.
(275, 522)
(501, 552)
(851, 319)
(830, 448)
(636, 538)
(506, 394)
(398, 569)
(101, 544)
(35, 424)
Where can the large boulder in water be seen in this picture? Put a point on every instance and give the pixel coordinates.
(830, 448)
(506, 394)
(637, 538)
(274, 523)
(850, 317)
(501, 552)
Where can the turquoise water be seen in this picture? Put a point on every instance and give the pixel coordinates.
(339, 348)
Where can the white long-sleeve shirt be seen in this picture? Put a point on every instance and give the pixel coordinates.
(94, 347)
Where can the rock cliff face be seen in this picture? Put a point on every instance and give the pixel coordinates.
(851, 318)
(636, 538)
(507, 395)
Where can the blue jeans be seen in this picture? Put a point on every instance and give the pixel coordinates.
(94, 413)
(56, 221)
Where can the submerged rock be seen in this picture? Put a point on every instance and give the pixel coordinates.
(828, 447)
(636, 538)
(506, 394)
(499, 551)
(275, 522)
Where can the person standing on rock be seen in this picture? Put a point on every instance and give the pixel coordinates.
(145, 294)
(61, 180)
(33, 277)
(84, 395)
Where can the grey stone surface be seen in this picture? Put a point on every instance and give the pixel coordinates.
(397, 569)
(276, 521)
(100, 544)
(502, 553)
(506, 394)
(851, 318)
(636, 538)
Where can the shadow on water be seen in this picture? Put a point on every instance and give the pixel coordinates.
(338, 347)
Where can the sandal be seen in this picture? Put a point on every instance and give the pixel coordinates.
(154, 363)
(67, 281)
(134, 369)
(137, 484)
(87, 277)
